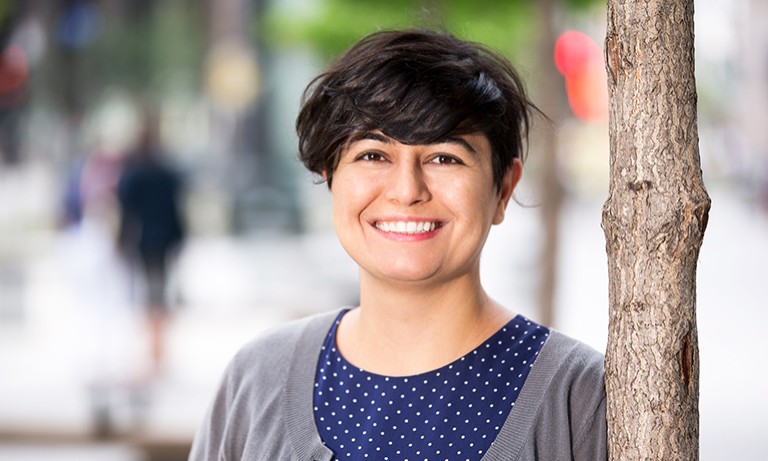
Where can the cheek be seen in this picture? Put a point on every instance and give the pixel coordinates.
(472, 199)
(349, 198)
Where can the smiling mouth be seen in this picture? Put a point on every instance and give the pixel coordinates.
(407, 227)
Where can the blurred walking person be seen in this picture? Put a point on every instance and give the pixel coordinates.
(151, 229)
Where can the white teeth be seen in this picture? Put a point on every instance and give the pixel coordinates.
(406, 227)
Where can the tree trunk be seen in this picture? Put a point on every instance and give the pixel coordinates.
(654, 222)
(552, 101)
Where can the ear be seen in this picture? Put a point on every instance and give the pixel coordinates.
(508, 185)
(325, 178)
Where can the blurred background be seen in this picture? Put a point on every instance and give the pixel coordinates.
(112, 342)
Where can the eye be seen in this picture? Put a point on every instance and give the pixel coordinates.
(371, 157)
(444, 159)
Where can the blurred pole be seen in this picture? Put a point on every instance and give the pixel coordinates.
(552, 102)
(753, 65)
(240, 114)
(226, 19)
(223, 41)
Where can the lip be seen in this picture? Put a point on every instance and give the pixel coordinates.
(407, 228)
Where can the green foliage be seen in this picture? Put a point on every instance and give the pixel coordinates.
(6, 8)
(333, 25)
(120, 56)
(336, 24)
(148, 53)
(584, 4)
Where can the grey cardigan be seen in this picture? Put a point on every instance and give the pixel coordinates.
(263, 408)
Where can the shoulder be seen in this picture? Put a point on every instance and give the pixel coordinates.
(564, 397)
(576, 387)
(572, 361)
(271, 353)
(565, 373)
(250, 404)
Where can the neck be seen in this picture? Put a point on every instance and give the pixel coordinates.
(407, 330)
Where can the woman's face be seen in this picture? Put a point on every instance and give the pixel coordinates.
(417, 213)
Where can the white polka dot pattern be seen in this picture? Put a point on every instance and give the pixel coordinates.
(452, 413)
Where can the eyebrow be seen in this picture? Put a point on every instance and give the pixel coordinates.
(368, 135)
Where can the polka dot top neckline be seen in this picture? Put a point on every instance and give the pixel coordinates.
(452, 413)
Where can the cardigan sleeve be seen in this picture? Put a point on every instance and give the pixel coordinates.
(210, 436)
(224, 430)
(588, 414)
(248, 401)
(572, 419)
(256, 414)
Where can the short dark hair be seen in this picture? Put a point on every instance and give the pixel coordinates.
(417, 87)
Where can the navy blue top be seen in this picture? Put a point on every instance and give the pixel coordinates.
(451, 413)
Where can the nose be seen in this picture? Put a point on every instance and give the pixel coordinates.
(407, 185)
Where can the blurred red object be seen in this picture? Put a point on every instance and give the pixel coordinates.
(14, 70)
(580, 60)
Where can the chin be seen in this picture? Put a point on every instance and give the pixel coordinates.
(408, 274)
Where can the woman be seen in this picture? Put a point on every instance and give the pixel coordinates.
(419, 137)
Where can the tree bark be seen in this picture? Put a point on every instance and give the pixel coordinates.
(654, 222)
